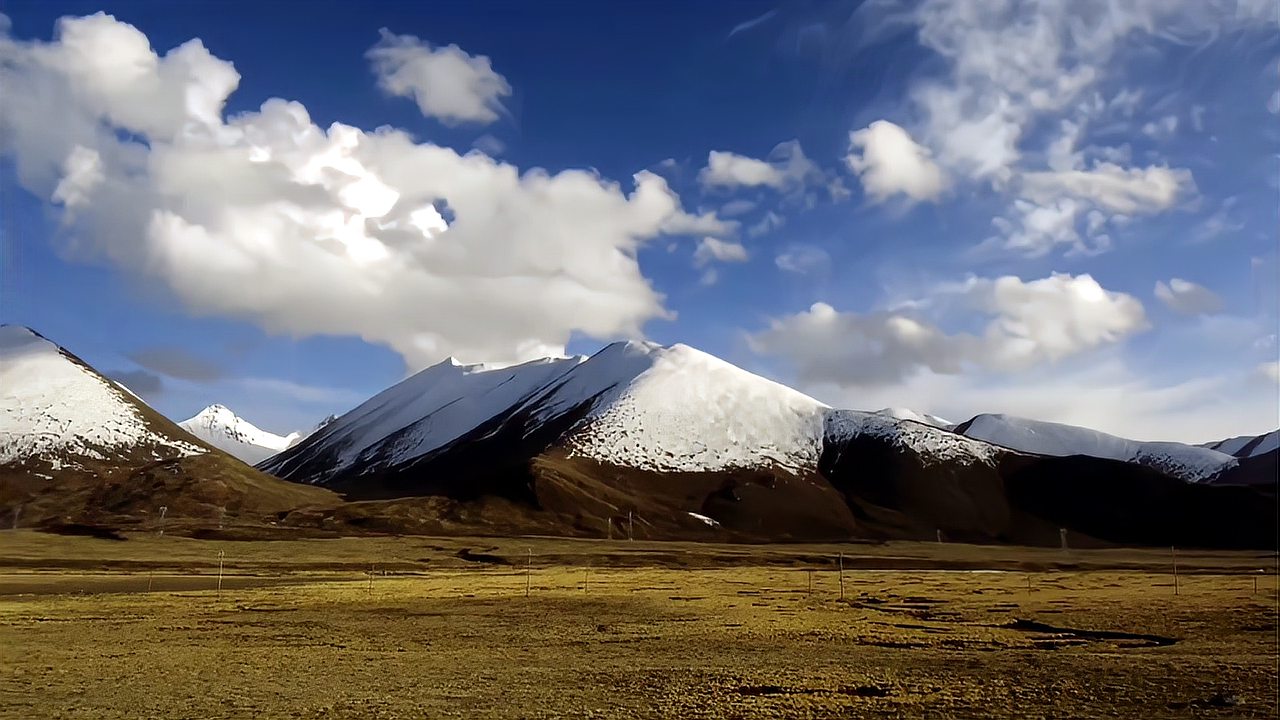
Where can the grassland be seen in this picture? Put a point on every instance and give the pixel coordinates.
(442, 627)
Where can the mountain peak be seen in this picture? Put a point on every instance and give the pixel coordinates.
(223, 429)
(58, 409)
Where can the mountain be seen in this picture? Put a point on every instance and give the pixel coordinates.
(900, 413)
(75, 446)
(1258, 457)
(223, 429)
(1247, 445)
(670, 442)
(1185, 462)
(667, 409)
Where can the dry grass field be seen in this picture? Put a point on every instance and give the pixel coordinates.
(442, 627)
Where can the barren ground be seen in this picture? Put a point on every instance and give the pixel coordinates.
(443, 628)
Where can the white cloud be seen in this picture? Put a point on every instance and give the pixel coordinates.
(1025, 324)
(1111, 187)
(1073, 207)
(1012, 67)
(726, 169)
(889, 162)
(1161, 129)
(803, 259)
(712, 250)
(81, 174)
(447, 83)
(1188, 298)
(305, 230)
(786, 170)
(1014, 62)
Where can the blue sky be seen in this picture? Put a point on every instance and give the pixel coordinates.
(927, 204)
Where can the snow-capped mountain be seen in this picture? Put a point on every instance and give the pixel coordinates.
(637, 404)
(680, 409)
(56, 410)
(77, 447)
(901, 413)
(1185, 462)
(223, 429)
(1247, 445)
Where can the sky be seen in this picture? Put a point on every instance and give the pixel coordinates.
(1066, 211)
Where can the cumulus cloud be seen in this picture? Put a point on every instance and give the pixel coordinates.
(712, 250)
(446, 83)
(889, 162)
(1188, 298)
(306, 230)
(1024, 324)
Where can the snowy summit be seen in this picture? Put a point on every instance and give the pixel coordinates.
(223, 429)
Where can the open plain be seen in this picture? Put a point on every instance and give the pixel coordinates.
(389, 627)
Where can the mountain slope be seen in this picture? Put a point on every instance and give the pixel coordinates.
(55, 409)
(75, 446)
(220, 427)
(1185, 462)
(1247, 445)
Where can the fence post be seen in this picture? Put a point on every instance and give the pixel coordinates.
(842, 576)
(528, 571)
(1174, 552)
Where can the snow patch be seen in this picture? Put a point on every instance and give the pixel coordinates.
(680, 409)
(902, 413)
(934, 445)
(704, 520)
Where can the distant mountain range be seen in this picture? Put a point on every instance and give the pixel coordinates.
(668, 442)
(687, 441)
